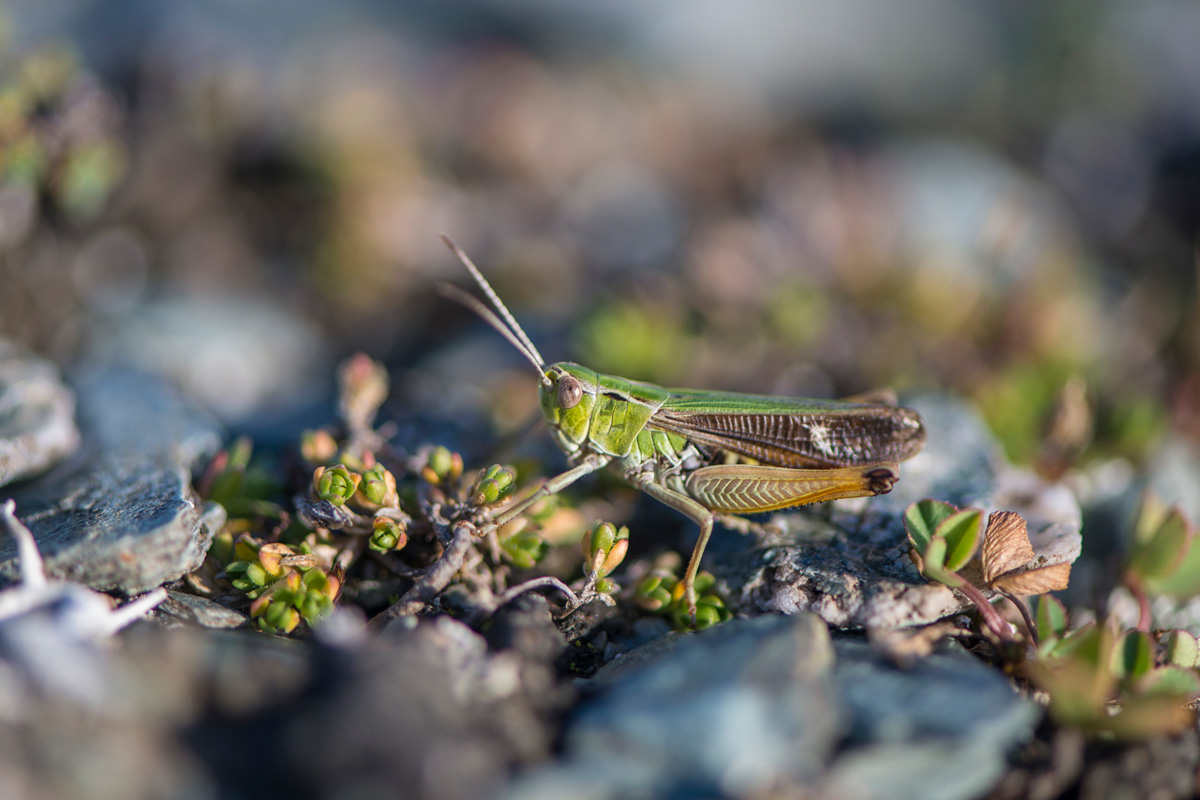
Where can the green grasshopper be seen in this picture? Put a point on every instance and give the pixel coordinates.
(676, 444)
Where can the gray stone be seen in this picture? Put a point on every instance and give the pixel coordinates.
(238, 355)
(183, 609)
(770, 707)
(732, 711)
(37, 415)
(849, 561)
(938, 730)
(121, 515)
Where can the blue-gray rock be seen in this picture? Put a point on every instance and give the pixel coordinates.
(938, 730)
(181, 609)
(37, 415)
(121, 515)
(239, 356)
(849, 561)
(733, 711)
(768, 706)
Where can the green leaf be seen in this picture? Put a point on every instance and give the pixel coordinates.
(1182, 649)
(1083, 643)
(1151, 514)
(1175, 681)
(1184, 581)
(1133, 656)
(922, 518)
(933, 566)
(961, 532)
(934, 556)
(1163, 551)
(1147, 716)
(1051, 618)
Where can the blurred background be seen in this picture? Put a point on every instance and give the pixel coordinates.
(777, 196)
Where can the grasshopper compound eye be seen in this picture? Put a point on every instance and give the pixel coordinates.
(569, 392)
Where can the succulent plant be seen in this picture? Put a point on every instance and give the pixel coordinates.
(335, 484)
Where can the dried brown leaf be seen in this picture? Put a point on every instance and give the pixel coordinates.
(1035, 581)
(1006, 545)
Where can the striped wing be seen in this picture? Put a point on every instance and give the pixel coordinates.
(792, 432)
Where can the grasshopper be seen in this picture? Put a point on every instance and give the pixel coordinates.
(676, 445)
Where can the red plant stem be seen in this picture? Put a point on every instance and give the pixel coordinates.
(1134, 584)
(1030, 626)
(991, 617)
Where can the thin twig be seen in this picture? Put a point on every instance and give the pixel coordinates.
(1025, 615)
(435, 579)
(536, 583)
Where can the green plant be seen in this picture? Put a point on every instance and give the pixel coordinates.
(662, 592)
(945, 541)
(1111, 683)
(1162, 557)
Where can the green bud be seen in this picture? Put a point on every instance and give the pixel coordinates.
(494, 484)
(599, 538)
(318, 447)
(605, 586)
(524, 548)
(315, 606)
(378, 487)
(653, 593)
(257, 575)
(335, 484)
(706, 616)
(443, 465)
(387, 534)
(284, 620)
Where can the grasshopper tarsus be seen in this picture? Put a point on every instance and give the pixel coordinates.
(882, 479)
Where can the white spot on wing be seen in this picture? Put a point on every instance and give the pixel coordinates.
(819, 435)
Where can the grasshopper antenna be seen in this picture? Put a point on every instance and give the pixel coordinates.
(510, 331)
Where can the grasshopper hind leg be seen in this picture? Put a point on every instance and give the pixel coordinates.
(743, 489)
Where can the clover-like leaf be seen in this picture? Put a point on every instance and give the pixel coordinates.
(1160, 552)
(1173, 681)
(1152, 512)
(1051, 617)
(934, 555)
(1133, 655)
(921, 520)
(961, 531)
(1181, 649)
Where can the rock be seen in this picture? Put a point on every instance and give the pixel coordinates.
(37, 415)
(849, 561)
(203, 345)
(122, 516)
(183, 609)
(425, 707)
(938, 730)
(733, 711)
(769, 706)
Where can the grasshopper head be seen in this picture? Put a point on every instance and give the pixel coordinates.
(567, 397)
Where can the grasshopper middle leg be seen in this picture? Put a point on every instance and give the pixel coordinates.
(702, 516)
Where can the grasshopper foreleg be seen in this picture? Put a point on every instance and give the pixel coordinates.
(588, 465)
